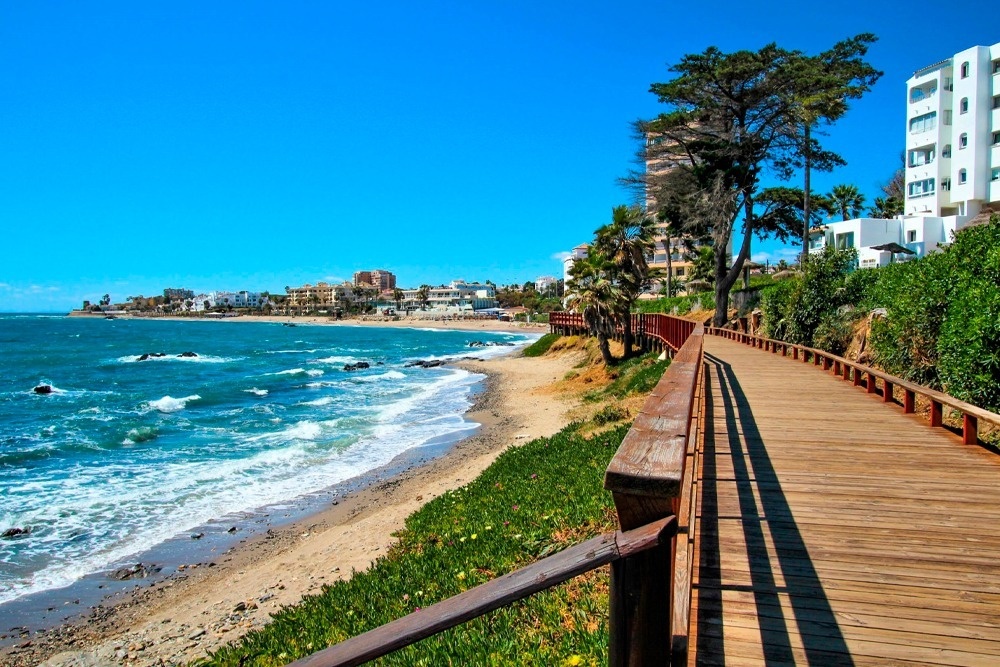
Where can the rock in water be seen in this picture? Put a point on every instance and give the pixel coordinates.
(16, 532)
(187, 354)
(43, 389)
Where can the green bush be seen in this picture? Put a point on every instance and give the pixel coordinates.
(969, 342)
(774, 305)
(610, 414)
(541, 346)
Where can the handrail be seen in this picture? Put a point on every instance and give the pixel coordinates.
(665, 329)
(651, 476)
(475, 602)
(862, 375)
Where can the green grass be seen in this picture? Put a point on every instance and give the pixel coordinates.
(533, 501)
(637, 375)
(541, 346)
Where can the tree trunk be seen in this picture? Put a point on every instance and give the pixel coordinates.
(724, 279)
(805, 199)
(670, 270)
(627, 333)
(602, 344)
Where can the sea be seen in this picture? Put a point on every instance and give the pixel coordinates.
(234, 420)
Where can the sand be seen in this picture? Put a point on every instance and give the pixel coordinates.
(187, 615)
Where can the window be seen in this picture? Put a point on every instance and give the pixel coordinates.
(921, 188)
(927, 121)
(996, 66)
(947, 117)
(996, 102)
(963, 141)
(995, 175)
(680, 271)
(963, 106)
(922, 93)
(911, 236)
(845, 241)
(996, 138)
(921, 156)
(946, 184)
(962, 176)
(946, 151)
(965, 70)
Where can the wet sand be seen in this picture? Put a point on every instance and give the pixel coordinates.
(205, 605)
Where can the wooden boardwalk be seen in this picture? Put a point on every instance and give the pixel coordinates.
(834, 530)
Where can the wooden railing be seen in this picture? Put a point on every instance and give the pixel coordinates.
(650, 329)
(869, 378)
(651, 480)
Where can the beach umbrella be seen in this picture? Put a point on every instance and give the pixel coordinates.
(893, 249)
(696, 286)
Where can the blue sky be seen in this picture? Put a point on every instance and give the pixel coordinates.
(252, 145)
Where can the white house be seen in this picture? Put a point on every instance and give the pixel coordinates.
(919, 234)
(543, 283)
(460, 295)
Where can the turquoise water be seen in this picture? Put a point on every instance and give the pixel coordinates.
(124, 454)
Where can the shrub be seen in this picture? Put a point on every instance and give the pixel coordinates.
(774, 307)
(609, 414)
(541, 346)
(818, 294)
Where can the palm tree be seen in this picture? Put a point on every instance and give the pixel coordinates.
(398, 295)
(847, 200)
(886, 207)
(594, 295)
(626, 242)
(424, 296)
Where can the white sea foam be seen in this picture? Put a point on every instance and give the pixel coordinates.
(170, 404)
(390, 375)
(326, 400)
(335, 360)
(256, 392)
(314, 372)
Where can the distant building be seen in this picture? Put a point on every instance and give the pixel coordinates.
(224, 299)
(918, 234)
(380, 279)
(579, 252)
(543, 283)
(321, 296)
(953, 135)
(460, 295)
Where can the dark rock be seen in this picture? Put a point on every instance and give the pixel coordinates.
(358, 366)
(197, 536)
(137, 571)
(16, 532)
(151, 355)
(187, 354)
(232, 530)
(43, 389)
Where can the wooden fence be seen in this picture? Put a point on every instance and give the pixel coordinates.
(650, 478)
(870, 378)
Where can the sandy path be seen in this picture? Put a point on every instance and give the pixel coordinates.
(183, 618)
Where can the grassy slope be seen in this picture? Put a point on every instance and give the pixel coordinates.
(533, 501)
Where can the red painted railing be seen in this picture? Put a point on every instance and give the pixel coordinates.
(667, 329)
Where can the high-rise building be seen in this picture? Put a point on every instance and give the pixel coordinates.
(379, 278)
(953, 135)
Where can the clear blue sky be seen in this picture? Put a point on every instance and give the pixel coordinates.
(252, 145)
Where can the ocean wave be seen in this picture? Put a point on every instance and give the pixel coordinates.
(313, 351)
(326, 400)
(312, 372)
(390, 375)
(256, 392)
(334, 360)
(170, 404)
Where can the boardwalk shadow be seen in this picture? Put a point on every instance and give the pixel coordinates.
(772, 538)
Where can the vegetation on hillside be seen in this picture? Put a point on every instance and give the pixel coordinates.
(941, 322)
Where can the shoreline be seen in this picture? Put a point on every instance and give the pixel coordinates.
(410, 322)
(181, 617)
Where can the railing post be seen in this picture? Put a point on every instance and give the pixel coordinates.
(970, 429)
(886, 391)
(909, 398)
(937, 413)
(870, 384)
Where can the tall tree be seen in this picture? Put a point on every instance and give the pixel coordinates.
(886, 207)
(732, 116)
(627, 242)
(847, 200)
(594, 295)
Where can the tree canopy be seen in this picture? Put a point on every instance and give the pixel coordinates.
(730, 118)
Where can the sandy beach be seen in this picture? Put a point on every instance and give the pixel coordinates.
(209, 604)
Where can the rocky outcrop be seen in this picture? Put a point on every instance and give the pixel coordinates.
(356, 367)
(137, 571)
(16, 532)
(490, 343)
(43, 389)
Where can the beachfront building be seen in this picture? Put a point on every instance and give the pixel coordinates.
(953, 135)
(223, 299)
(380, 279)
(458, 296)
(545, 283)
(952, 169)
(320, 297)
(579, 252)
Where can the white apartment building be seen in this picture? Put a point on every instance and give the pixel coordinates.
(460, 295)
(953, 135)
(952, 161)
(543, 283)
